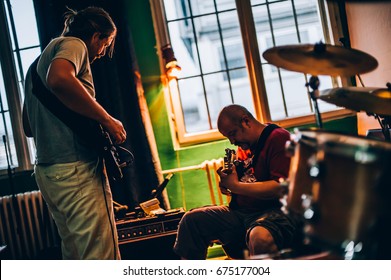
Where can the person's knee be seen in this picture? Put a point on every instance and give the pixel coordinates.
(193, 217)
(260, 241)
(188, 218)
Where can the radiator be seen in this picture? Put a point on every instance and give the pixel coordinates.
(27, 228)
(210, 167)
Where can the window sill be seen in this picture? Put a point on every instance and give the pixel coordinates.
(192, 140)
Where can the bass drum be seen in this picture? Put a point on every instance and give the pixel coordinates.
(340, 186)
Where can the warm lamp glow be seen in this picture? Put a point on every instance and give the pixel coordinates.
(172, 67)
(173, 71)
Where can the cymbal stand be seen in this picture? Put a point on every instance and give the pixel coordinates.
(385, 124)
(314, 85)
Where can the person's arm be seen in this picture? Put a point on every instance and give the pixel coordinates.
(62, 81)
(26, 123)
(261, 190)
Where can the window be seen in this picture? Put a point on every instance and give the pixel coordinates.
(219, 45)
(19, 47)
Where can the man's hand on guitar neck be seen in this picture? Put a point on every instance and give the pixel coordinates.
(116, 130)
(227, 179)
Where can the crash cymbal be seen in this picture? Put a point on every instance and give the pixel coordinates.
(321, 59)
(371, 100)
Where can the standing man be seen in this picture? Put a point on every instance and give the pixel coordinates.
(253, 218)
(70, 175)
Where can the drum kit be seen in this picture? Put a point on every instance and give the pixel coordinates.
(338, 186)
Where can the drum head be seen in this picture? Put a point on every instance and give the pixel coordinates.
(358, 147)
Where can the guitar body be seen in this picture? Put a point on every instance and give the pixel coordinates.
(229, 161)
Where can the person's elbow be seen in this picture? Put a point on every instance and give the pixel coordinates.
(56, 83)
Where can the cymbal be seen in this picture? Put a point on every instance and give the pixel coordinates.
(321, 59)
(370, 100)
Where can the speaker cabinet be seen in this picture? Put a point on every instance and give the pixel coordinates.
(149, 237)
(151, 248)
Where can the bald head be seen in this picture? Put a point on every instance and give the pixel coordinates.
(234, 114)
(237, 124)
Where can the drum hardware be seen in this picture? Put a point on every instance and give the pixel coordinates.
(374, 101)
(385, 124)
(314, 85)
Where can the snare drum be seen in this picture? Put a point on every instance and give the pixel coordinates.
(340, 185)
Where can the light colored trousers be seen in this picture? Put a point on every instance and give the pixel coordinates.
(79, 198)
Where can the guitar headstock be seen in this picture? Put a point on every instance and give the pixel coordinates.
(229, 159)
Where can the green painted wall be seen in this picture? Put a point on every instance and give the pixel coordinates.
(189, 188)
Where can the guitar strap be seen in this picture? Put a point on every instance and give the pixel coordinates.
(262, 140)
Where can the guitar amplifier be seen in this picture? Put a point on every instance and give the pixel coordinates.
(148, 237)
(132, 229)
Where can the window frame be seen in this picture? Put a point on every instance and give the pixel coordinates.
(329, 13)
(13, 94)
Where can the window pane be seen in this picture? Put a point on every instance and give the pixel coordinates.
(25, 23)
(218, 94)
(241, 89)
(274, 92)
(193, 104)
(201, 7)
(175, 9)
(283, 20)
(183, 44)
(28, 56)
(3, 100)
(257, 2)
(309, 21)
(208, 41)
(5, 130)
(232, 41)
(223, 5)
(295, 92)
(262, 27)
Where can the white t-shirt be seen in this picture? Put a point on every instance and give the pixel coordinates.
(55, 142)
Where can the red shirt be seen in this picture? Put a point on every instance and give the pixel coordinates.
(272, 163)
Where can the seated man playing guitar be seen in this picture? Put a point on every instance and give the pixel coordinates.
(70, 174)
(253, 219)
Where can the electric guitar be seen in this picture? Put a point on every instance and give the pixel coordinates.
(111, 156)
(229, 160)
